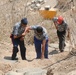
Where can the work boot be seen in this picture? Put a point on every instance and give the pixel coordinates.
(14, 58)
(61, 50)
(23, 58)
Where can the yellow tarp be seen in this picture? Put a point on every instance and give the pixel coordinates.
(48, 14)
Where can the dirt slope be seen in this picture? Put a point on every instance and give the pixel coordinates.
(58, 63)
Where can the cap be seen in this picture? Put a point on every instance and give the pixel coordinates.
(24, 21)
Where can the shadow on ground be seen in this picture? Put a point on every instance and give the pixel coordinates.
(53, 52)
(7, 57)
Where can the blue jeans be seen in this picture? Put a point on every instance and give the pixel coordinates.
(17, 42)
(38, 48)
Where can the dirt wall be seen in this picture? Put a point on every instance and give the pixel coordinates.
(11, 11)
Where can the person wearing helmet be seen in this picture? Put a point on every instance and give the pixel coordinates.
(18, 39)
(61, 27)
(40, 41)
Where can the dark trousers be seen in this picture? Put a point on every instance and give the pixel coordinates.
(38, 48)
(61, 36)
(16, 43)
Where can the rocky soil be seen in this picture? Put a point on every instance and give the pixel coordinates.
(58, 63)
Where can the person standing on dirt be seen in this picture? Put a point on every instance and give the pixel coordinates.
(62, 28)
(17, 37)
(40, 41)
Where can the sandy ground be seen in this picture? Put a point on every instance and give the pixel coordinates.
(55, 58)
(57, 64)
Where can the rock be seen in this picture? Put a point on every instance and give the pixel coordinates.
(50, 72)
(13, 73)
(72, 73)
(33, 71)
(47, 7)
(10, 0)
(1, 73)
